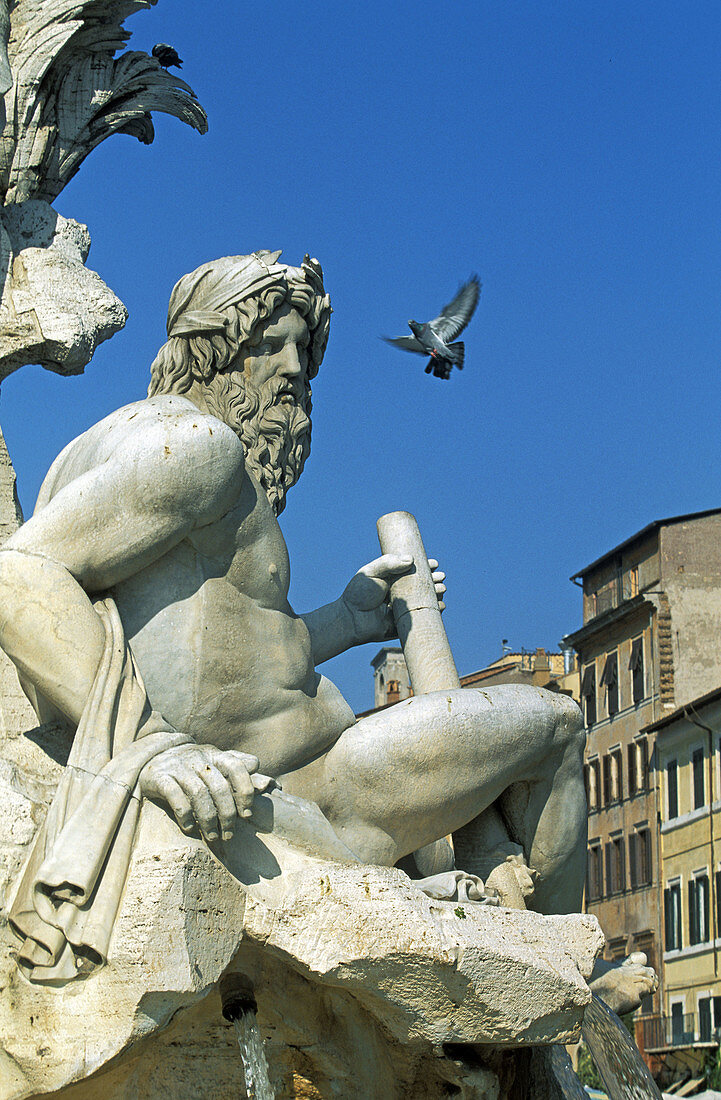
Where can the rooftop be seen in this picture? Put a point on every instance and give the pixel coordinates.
(642, 534)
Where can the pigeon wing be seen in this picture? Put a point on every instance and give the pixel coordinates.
(407, 343)
(455, 316)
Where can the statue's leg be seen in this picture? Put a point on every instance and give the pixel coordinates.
(404, 776)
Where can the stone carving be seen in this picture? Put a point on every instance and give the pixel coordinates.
(70, 92)
(63, 92)
(145, 608)
(53, 310)
(222, 671)
(359, 977)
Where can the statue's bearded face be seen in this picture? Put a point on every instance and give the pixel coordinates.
(264, 396)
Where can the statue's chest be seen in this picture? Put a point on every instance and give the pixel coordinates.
(247, 547)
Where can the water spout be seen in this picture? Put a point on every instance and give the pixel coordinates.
(239, 1006)
(618, 1060)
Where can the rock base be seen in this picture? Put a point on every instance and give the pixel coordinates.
(365, 987)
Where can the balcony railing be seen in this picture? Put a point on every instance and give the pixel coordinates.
(661, 1032)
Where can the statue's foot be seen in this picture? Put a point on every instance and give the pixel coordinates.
(456, 886)
(512, 879)
(622, 985)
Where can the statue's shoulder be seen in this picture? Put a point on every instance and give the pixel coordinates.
(164, 442)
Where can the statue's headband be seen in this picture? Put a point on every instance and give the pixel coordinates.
(199, 299)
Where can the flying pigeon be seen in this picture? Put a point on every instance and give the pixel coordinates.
(166, 55)
(434, 337)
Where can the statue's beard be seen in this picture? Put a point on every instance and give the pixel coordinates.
(273, 426)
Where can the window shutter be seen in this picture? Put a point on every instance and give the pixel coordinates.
(647, 859)
(692, 914)
(610, 673)
(632, 779)
(643, 745)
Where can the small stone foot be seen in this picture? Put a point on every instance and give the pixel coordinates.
(456, 886)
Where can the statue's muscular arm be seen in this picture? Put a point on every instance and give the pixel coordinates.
(165, 477)
(362, 613)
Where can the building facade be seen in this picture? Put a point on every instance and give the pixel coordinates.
(540, 668)
(649, 642)
(688, 767)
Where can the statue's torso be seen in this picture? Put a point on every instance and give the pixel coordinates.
(223, 656)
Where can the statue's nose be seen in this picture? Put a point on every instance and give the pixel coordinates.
(291, 365)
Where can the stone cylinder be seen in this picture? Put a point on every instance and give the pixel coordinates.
(415, 608)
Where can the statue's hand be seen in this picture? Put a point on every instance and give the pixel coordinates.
(366, 596)
(204, 786)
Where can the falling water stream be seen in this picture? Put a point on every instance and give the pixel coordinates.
(255, 1065)
(623, 1071)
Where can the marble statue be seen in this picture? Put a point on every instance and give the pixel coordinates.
(145, 603)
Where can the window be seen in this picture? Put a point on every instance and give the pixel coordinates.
(709, 1018)
(636, 667)
(638, 772)
(671, 789)
(672, 912)
(615, 866)
(593, 784)
(612, 777)
(610, 679)
(632, 583)
(698, 910)
(718, 909)
(677, 1029)
(699, 795)
(588, 694)
(594, 873)
(639, 844)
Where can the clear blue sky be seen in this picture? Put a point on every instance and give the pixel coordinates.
(568, 152)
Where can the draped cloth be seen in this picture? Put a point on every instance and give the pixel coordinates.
(70, 890)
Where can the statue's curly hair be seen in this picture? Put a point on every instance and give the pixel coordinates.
(183, 360)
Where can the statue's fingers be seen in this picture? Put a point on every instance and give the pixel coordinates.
(387, 565)
(440, 589)
(201, 801)
(433, 564)
(262, 782)
(222, 795)
(165, 787)
(441, 605)
(240, 780)
(438, 576)
(246, 759)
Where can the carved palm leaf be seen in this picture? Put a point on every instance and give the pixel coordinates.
(70, 92)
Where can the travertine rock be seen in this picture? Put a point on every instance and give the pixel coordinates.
(53, 310)
(347, 962)
(62, 92)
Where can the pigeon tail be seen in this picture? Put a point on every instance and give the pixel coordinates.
(459, 350)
